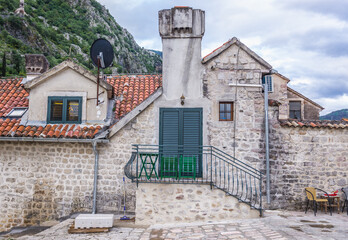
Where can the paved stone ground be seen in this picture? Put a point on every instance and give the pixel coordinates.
(275, 225)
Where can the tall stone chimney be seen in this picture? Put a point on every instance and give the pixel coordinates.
(182, 29)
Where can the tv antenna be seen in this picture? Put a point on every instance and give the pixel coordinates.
(102, 56)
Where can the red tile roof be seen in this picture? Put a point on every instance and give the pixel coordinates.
(12, 94)
(216, 49)
(13, 128)
(131, 90)
(315, 124)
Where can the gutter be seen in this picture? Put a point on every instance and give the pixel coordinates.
(51, 140)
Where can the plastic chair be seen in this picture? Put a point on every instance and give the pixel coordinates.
(312, 196)
(169, 167)
(345, 192)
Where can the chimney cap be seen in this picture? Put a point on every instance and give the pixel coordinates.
(36, 63)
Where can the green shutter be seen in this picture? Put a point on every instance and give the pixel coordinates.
(181, 126)
(192, 127)
(169, 129)
(192, 138)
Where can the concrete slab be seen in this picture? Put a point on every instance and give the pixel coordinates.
(94, 221)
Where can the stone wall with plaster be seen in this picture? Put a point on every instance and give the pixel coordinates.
(45, 181)
(170, 203)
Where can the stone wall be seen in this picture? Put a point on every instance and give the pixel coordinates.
(306, 157)
(44, 181)
(170, 203)
(240, 138)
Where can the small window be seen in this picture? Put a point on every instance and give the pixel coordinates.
(226, 111)
(17, 112)
(64, 109)
(295, 110)
(269, 82)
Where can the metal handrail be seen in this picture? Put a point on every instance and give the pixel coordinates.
(192, 164)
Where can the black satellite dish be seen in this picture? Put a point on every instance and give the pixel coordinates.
(102, 56)
(101, 53)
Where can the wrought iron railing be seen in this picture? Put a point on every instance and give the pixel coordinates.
(196, 165)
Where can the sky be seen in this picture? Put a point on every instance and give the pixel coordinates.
(306, 41)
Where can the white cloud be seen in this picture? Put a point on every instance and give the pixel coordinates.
(307, 41)
(150, 44)
(333, 104)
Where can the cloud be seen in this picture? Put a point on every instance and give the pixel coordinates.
(334, 8)
(333, 104)
(307, 41)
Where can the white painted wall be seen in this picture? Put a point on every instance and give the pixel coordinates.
(68, 82)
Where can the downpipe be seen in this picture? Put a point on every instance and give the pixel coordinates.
(96, 165)
(267, 143)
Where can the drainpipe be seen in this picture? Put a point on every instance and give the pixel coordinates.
(267, 143)
(96, 159)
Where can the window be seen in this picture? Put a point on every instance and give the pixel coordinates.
(17, 112)
(269, 82)
(295, 110)
(64, 109)
(226, 111)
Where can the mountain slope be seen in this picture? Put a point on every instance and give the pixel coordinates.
(63, 29)
(336, 115)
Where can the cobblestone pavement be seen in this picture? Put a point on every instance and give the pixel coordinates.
(275, 225)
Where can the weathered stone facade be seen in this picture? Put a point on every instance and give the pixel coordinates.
(306, 157)
(44, 181)
(41, 181)
(170, 203)
(241, 137)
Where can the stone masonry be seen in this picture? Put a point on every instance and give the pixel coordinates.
(170, 203)
(306, 157)
(240, 138)
(45, 181)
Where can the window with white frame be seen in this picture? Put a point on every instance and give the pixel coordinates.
(17, 112)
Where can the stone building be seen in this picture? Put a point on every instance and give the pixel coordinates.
(192, 145)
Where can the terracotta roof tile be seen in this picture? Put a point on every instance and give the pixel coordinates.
(12, 94)
(9, 128)
(132, 90)
(315, 123)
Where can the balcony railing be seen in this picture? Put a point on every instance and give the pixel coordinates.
(196, 165)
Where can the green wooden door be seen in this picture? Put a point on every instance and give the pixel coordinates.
(180, 140)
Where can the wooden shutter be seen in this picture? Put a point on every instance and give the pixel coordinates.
(181, 126)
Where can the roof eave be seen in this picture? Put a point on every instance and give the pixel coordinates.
(60, 67)
(51, 140)
(304, 97)
(135, 112)
(226, 45)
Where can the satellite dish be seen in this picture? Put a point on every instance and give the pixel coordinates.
(101, 53)
(102, 56)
